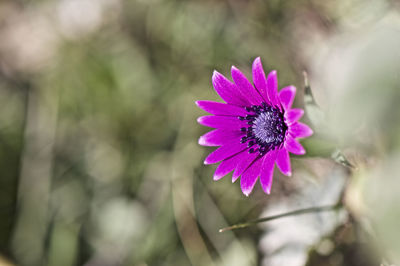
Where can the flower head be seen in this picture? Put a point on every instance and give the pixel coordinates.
(256, 127)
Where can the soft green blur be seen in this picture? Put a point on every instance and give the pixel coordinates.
(99, 161)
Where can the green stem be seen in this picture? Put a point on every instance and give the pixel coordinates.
(274, 217)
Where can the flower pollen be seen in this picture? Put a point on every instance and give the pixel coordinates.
(266, 130)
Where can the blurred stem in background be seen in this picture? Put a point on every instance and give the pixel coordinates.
(278, 216)
(32, 224)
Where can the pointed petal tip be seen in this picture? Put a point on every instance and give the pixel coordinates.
(217, 177)
(289, 173)
(234, 70)
(283, 161)
(257, 60)
(267, 190)
(256, 66)
(293, 146)
(293, 115)
(292, 88)
(234, 178)
(198, 103)
(215, 75)
(206, 161)
(201, 141)
(300, 130)
(302, 152)
(286, 97)
(286, 173)
(272, 88)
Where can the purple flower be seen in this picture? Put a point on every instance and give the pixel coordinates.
(256, 127)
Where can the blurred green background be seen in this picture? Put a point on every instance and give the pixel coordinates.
(99, 161)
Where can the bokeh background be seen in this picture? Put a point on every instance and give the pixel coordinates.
(99, 161)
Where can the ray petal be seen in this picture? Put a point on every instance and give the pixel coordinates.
(294, 146)
(283, 162)
(227, 90)
(249, 177)
(245, 87)
(300, 130)
(259, 78)
(267, 171)
(217, 108)
(286, 96)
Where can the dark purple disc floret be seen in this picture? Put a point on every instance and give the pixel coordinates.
(266, 130)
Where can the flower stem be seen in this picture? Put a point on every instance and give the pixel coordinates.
(274, 217)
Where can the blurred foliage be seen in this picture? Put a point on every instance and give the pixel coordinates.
(99, 159)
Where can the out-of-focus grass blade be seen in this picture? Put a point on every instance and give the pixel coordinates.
(313, 111)
(339, 157)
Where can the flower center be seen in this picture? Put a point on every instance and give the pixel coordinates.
(267, 129)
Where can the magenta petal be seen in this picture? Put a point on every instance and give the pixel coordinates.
(216, 108)
(294, 146)
(286, 96)
(259, 79)
(249, 177)
(219, 137)
(245, 86)
(227, 90)
(228, 165)
(293, 115)
(283, 162)
(226, 122)
(300, 130)
(225, 151)
(243, 164)
(267, 171)
(272, 88)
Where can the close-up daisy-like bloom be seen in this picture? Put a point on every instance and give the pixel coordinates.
(256, 127)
